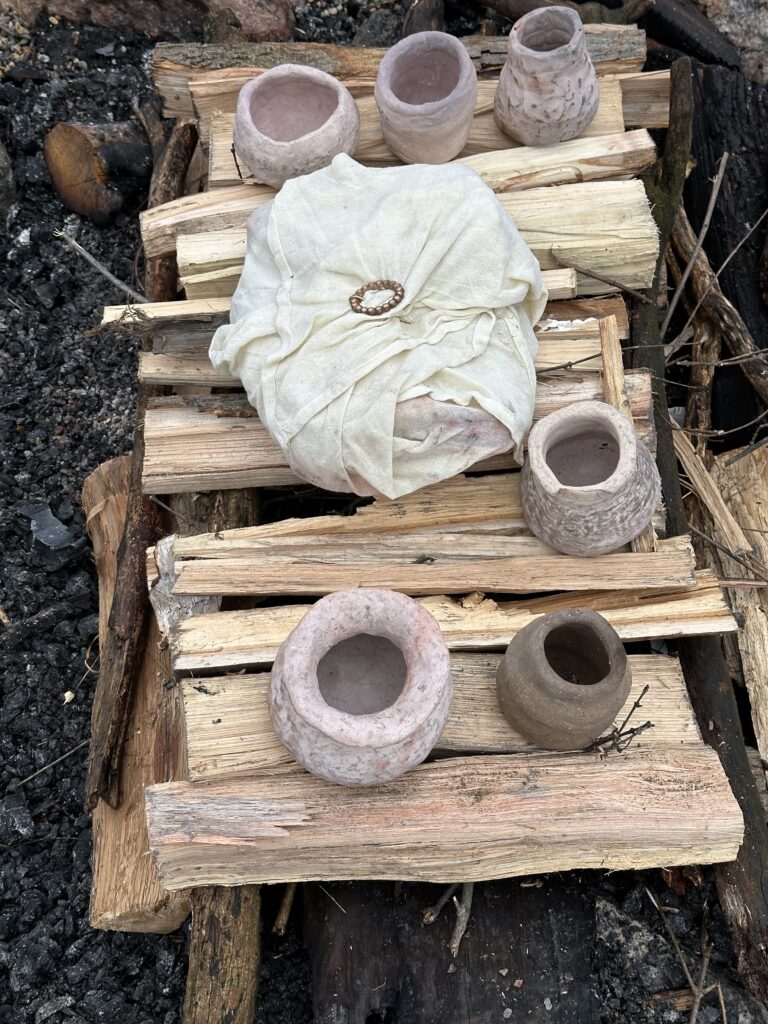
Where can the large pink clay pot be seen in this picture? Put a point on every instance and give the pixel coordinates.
(293, 120)
(361, 689)
(426, 89)
(587, 485)
(548, 89)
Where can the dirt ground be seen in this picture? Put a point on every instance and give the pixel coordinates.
(66, 405)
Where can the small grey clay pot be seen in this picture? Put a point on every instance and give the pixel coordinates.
(587, 485)
(563, 679)
(293, 120)
(426, 90)
(361, 689)
(548, 89)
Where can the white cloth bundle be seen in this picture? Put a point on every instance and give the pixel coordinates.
(390, 403)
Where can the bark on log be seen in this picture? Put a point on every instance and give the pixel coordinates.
(740, 883)
(97, 168)
(168, 177)
(224, 956)
(372, 959)
(680, 24)
(628, 11)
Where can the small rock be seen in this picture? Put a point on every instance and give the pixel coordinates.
(507, 1013)
(451, 968)
(547, 1003)
(261, 21)
(15, 820)
(504, 972)
(52, 1006)
(382, 28)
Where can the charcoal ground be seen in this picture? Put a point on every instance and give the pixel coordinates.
(66, 405)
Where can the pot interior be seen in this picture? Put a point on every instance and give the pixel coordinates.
(588, 454)
(425, 75)
(547, 30)
(285, 109)
(576, 653)
(362, 675)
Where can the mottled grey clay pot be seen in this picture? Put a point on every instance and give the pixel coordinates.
(587, 485)
(563, 679)
(293, 120)
(426, 90)
(548, 89)
(361, 689)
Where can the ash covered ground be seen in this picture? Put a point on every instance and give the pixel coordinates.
(66, 405)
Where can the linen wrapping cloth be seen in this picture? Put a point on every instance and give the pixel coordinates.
(386, 404)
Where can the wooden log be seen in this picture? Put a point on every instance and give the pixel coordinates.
(706, 290)
(741, 478)
(97, 168)
(196, 443)
(229, 733)
(224, 956)
(645, 98)
(601, 151)
(605, 226)
(458, 819)
(529, 948)
(126, 894)
(613, 49)
(168, 177)
(682, 25)
(250, 638)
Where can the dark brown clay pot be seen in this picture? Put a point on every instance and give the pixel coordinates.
(563, 679)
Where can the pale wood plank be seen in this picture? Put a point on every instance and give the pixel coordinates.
(456, 819)
(645, 96)
(229, 732)
(195, 443)
(605, 226)
(251, 637)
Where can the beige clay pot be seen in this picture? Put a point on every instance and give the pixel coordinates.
(361, 689)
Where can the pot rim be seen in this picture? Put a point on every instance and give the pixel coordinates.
(536, 15)
(314, 75)
(383, 89)
(612, 419)
(421, 642)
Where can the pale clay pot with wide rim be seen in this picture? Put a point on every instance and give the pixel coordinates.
(293, 120)
(548, 90)
(563, 679)
(361, 689)
(426, 89)
(587, 485)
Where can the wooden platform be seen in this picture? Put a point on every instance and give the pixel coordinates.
(486, 804)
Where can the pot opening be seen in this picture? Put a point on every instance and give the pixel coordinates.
(362, 675)
(285, 109)
(587, 455)
(547, 30)
(576, 653)
(425, 76)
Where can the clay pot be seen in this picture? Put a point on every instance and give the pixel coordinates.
(588, 485)
(563, 679)
(548, 89)
(361, 689)
(426, 90)
(293, 120)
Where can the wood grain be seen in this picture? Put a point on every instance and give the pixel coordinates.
(459, 819)
(251, 637)
(229, 733)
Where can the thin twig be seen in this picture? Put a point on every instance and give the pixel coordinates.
(52, 764)
(699, 242)
(432, 914)
(706, 954)
(98, 266)
(331, 898)
(601, 277)
(463, 910)
(613, 740)
(673, 938)
(197, 527)
(731, 554)
(281, 921)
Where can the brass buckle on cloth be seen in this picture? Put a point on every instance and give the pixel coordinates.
(356, 299)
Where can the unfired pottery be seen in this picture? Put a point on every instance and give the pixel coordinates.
(563, 679)
(548, 89)
(361, 689)
(426, 90)
(588, 485)
(292, 120)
